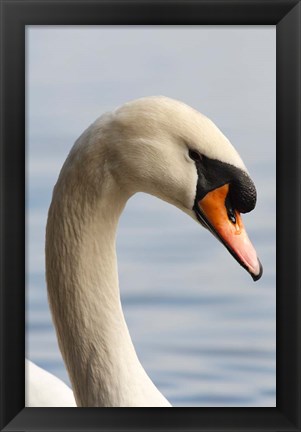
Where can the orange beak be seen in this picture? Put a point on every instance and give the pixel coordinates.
(229, 229)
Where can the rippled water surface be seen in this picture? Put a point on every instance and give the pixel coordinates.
(203, 330)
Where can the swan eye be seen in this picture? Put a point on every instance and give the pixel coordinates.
(194, 155)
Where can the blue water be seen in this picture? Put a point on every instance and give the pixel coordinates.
(203, 330)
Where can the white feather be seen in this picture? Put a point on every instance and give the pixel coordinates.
(45, 390)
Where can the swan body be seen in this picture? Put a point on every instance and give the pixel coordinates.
(45, 389)
(155, 145)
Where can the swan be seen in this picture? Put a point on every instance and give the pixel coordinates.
(155, 145)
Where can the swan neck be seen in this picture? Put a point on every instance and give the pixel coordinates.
(83, 291)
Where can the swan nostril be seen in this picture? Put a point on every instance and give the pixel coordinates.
(230, 210)
(231, 216)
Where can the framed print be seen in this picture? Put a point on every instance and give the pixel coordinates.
(223, 353)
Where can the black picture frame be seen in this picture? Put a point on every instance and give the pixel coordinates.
(15, 15)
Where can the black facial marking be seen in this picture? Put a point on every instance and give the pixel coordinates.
(241, 197)
(213, 173)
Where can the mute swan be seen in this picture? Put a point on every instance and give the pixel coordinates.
(155, 145)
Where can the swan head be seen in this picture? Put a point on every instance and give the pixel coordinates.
(168, 149)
